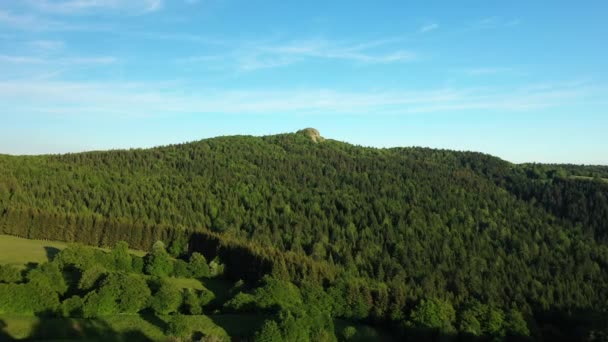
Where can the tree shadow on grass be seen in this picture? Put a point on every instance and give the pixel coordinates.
(3, 335)
(51, 252)
(52, 328)
(90, 330)
(153, 319)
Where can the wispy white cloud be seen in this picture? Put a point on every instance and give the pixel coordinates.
(142, 100)
(11, 59)
(428, 27)
(484, 71)
(30, 22)
(250, 56)
(493, 23)
(83, 6)
(46, 45)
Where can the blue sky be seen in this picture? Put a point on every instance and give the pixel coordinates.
(523, 80)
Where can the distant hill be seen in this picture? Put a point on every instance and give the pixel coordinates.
(432, 223)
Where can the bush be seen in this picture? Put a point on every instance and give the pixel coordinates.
(205, 297)
(242, 302)
(180, 269)
(435, 314)
(72, 307)
(349, 332)
(48, 275)
(178, 326)
(198, 266)
(269, 332)
(10, 274)
(158, 262)
(192, 302)
(167, 299)
(91, 276)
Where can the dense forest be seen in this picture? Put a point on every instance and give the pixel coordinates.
(417, 240)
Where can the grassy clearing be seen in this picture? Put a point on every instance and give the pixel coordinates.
(114, 328)
(588, 178)
(187, 283)
(111, 328)
(19, 251)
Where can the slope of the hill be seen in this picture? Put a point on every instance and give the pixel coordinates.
(427, 223)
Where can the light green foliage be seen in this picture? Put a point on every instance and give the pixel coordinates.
(192, 302)
(516, 324)
(10, 274)
(277, 294)
(76, 255)
(158, 262)
(205, 297)
(349, 332)
(198, 265)
(435, 314)
(241, 302)
(494, 325)
(216, 268)
(178, 326)
(48, 275)
(167, 298)
(269, 332)
(27, 298)
(121, 258)
(137, 264)
(118, 293)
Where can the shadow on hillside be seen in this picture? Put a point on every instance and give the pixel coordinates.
(239, 326)
(49, 328)
(51, 252)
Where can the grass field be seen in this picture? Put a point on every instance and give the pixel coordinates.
(121, 327)
(19, 251)
(588, 178)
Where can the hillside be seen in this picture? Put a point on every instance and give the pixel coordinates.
(392, 228)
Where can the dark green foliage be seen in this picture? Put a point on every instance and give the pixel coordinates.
(167, 299)
(10, 274)
(270, 332)
(91, 276)
(72, 307)
(180, 269)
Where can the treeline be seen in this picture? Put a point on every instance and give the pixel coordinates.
(423, 223)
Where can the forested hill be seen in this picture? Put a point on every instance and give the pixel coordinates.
(416, 223)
